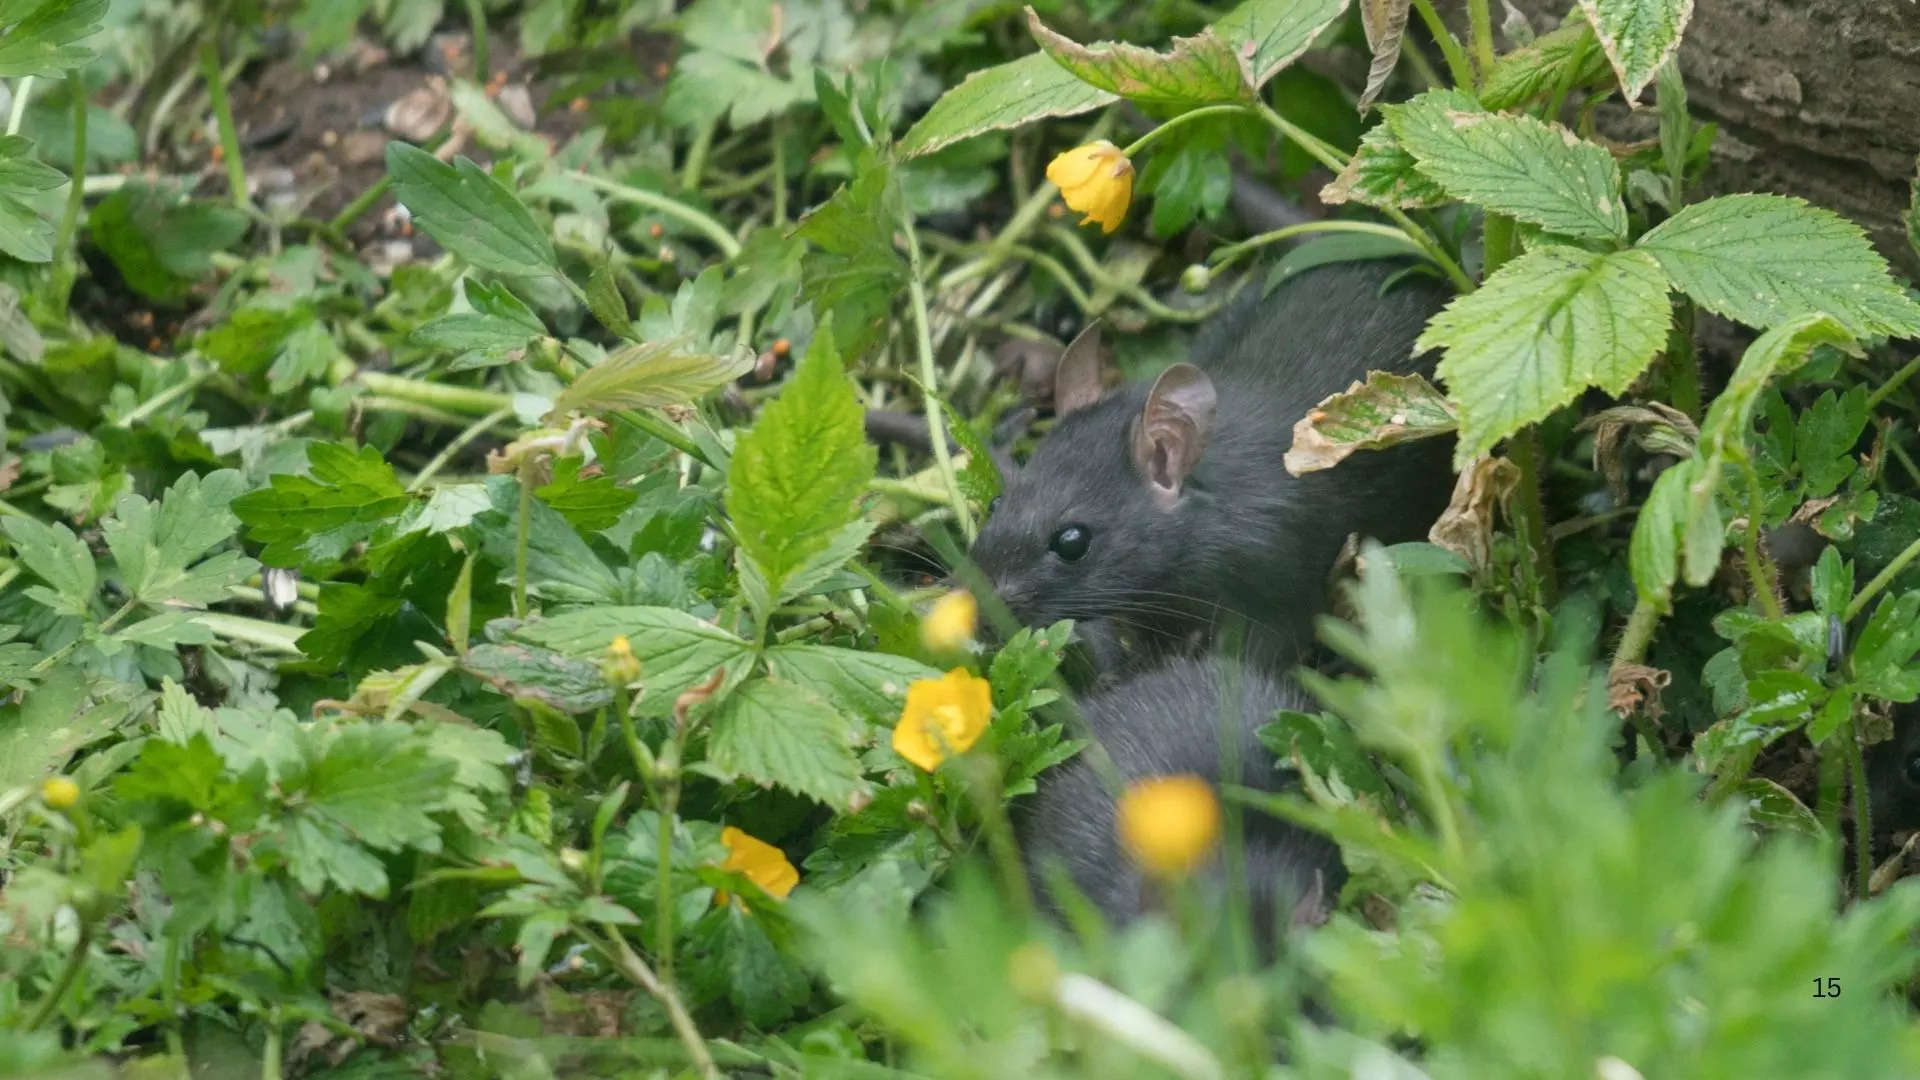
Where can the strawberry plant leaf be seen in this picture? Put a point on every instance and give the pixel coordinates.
(1382, 173)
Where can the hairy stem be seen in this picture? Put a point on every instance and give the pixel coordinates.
(455, 445)
(1758, 568)
(1894, 382)
(668, 805)
(1181, 120)
(1862, 811)
(1530, 516)
(523, 532)
(477, 19)
(1226, 256)
(1457, 66)
(1480, 19)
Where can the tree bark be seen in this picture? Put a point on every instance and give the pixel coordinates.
(1816, 98)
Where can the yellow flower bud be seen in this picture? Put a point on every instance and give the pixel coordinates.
(762, 863)
(1097, 180)
(1168, 823)
(949, 623)
(59, 793)
(942, 716)
(618, 665)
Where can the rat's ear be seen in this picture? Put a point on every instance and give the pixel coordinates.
(1076, 378)
(1171, 432)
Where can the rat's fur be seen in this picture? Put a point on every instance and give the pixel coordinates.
(1243, 540)
(1167, 722)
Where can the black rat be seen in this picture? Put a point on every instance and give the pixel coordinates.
(1168, 722)
(1160, 512)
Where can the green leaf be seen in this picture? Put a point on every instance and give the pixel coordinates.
(870, 685)
(852, 271)
(1545, 327)
(47, 727)
(797, 476)
(470, 213)
(676, 650)
(649, 376)
(42, 43)
(1199, 70)
(1004, 96)
(154, 546)
(1384, 411)
(1273, 33)
(1381, 173)
(370, 785)
(1882, 662)
(1831, 583)
(1637, 36)
(521, 671)
(24, 234)
(561, 565)
(773, 732)
(606, 302)
(589, 503)
(161, 245)
(1763, 259)
(346, 496)
(1536, 69)
(1513, 165)
(60, 559)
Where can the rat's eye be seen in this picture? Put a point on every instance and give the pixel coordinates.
(1070, 542)
(1913, 769)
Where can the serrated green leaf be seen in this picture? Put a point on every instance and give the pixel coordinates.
(676, 650)
(1513, 165)
(471, 331)
(773, 732)
(521, 671)
(1882, 661)
(58, 558)
(797, 476)
(1386, 410)
(869, 685)
(470, 213)
(1536, 69)
(851, 269)
(1273, 33)
(1637, 36)
(1545, 327)
(606, 302)
(24, 234)
(43, 43)
(561, 565)
(347, 494)
(159, 243)
(367, 786)
(649, 376)
(589, 503)
(1198, 70)
(1763, 259)
(1003, 96)
(156, 546)
(1381, 173)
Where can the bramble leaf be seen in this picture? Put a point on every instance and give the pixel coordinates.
(1637, 36)
(1003, 96)
(1763, 259)
(1199, 70)
(1513, 165)
(1546, 326)
(1383, 411)
(1382, 173)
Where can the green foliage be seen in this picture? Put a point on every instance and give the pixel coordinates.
(1637, 36)
(470, 213)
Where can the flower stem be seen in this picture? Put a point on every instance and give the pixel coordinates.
(523, 535)
(1530, 516)
(930, 380)
(460, 399)
(1862, 811)
(1227, 256)
(64, 981)
(63, 245)
(667, 206)
(1184, 118)
(223, 112)
(477, 18)
(1882, 579)
(468, 434)
(1894, 382)
(1480, 18)
(1757, 568)
(621, 956)
(669, 800)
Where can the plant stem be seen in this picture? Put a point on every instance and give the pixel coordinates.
(1882, 579)
(467, 435)
(1148, 303)
(666, 433)
(63, 982)
(164, 398)
(22, 93)
(1530, 515)
(1638, 634)
(696, 162)
(523, 535)
(477, 18)
(1456, 57)
(668, 805)
(223, 112)
(460, 399)
(1133, 1025)
(1230, 254)
(667, 206)
(64, 247)
(271, 1053)
(1862, 811)
(621, 956)
(1480, 19)
(1683, 367)
(258, 632)
(779, 171)
(930, 380)
(1894, 382)
(1757, 569)
(1184, 118)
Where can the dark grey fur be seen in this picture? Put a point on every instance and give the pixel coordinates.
(1245, 539)
(1168, 722)
(1893, 775)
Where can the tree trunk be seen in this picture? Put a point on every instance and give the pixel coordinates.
(1816, 98)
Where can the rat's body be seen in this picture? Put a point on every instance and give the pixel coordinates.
(1190, 520)
(1893, 776)
(1168, 722)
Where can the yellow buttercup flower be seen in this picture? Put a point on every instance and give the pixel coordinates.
(762, 863)
(949, 623)
(1168, 823)
(943, 716)
(1097, 180)
(59, 793)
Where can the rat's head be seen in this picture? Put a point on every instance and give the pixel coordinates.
(1893, 775)
(1096, 523)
